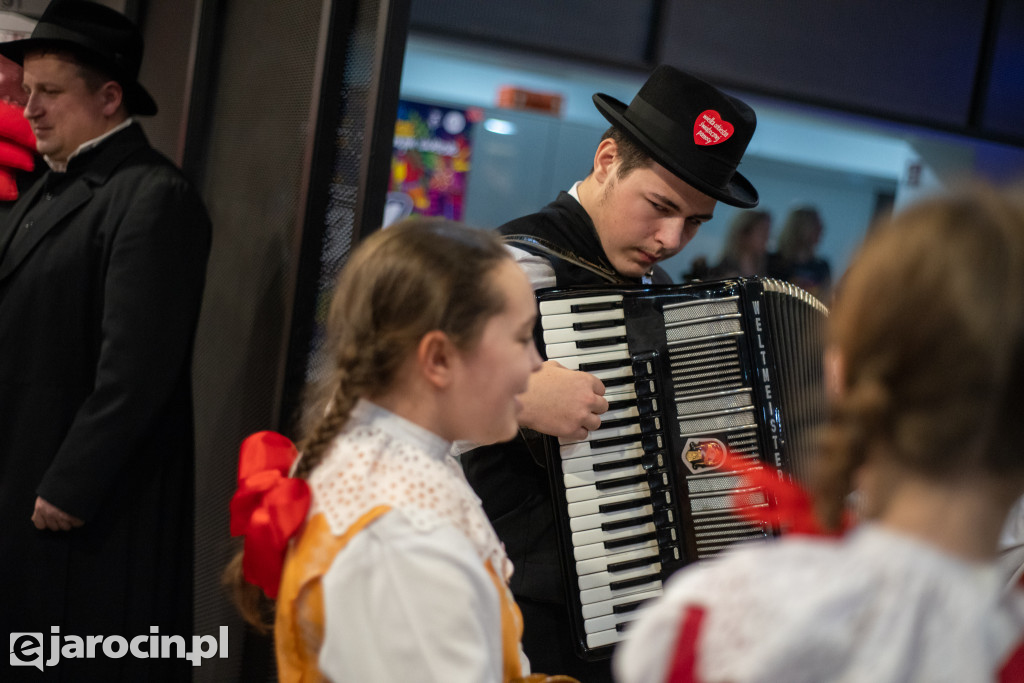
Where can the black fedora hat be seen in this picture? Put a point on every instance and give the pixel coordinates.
(691, 128)
(100, 36)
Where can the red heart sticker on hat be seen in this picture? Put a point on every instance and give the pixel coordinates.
(711, 129)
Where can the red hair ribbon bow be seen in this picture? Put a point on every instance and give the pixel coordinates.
(790, 507)
(268, 508)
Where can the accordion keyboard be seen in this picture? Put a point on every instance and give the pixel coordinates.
(689, 375)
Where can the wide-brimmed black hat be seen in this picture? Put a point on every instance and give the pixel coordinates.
(691, 128)
(101, 36)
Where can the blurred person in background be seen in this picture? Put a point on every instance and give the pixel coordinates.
(745, 253)
(796, 259)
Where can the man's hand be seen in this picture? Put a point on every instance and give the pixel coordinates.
(48, 516)
(562, 402)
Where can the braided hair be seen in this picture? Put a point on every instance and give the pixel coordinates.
(402, 282)
(929, 326)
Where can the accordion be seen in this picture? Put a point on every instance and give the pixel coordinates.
(691, 372)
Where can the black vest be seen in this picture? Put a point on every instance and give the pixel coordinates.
(511, 478)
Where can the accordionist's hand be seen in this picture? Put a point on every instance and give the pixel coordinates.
(544, 678)
(562, 402)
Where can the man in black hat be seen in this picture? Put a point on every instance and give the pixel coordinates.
(102, 266)
(668, 159)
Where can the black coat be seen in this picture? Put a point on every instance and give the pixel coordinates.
(99, 301)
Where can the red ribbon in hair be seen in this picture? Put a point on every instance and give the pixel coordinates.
(268, 508)
(790, 506)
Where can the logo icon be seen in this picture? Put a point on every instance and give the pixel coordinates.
(703, 454)
(711, 129)
(27, 649)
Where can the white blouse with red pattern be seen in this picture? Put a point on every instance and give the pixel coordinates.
(874, 606)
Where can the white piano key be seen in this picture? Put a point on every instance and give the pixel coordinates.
(604, 593)
(595, 521)
(598, 579)
(617, 392)
(584, 538)
(603, 638)
(614, 373)
(573, 361)
(586, 463)
(586, 448)
(605, 607)
(608, 622)
(568, 321)
(621, 413)
(568, 334)
(601, 564)
(557, 306)
(590, 477)
(570, 349)
(589, 552)
(591, 507)
(585, 493)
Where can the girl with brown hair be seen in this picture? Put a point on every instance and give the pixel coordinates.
(394, 573)
(928, 339)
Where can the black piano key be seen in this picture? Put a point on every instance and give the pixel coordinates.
(596, 325)
(633, 564)
(617, 464)
(638, 581)
(621, 481)
(624, 608)
(613, 441)
(621, 422)
(594, 307)
(602, 341)
(615, 381)
(631, 540)
(630, 504)
(604, 365)
(626, 523)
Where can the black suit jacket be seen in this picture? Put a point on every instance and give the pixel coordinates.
(99, 301)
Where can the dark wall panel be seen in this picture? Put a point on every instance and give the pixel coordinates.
(601, 30)
(1004, 102)
(913, 59)
(252, 165)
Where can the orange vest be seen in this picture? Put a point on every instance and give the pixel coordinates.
(299, 625)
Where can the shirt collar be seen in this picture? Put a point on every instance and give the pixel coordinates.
(574, 192)
(370, 414)
(86, 146)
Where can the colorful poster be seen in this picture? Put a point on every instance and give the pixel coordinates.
(430, 162)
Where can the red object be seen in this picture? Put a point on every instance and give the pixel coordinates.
(711, 129)
(512, 97)
(14, 126)
(684, 662)
(14, 155)
(8, 185)
(268, 507)
(1013, 670)
(790, 508)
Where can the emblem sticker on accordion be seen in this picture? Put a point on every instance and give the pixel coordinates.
(693, 374)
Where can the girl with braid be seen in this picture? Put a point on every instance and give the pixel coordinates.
(926, 433)
(394, 572)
